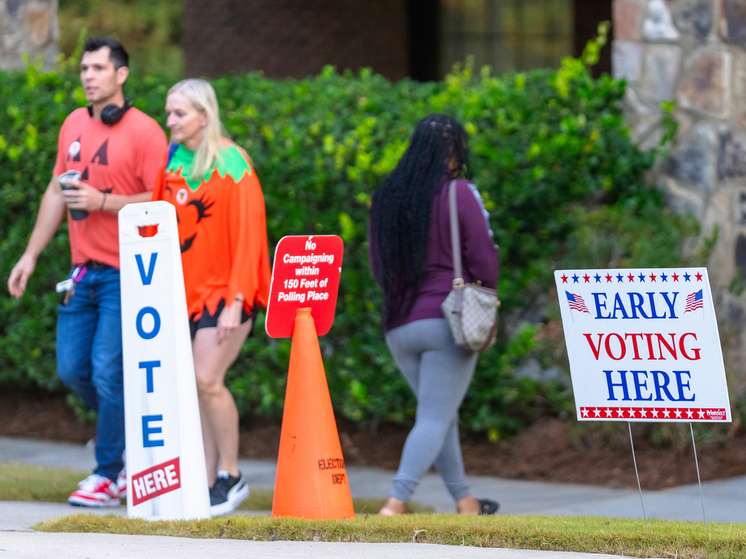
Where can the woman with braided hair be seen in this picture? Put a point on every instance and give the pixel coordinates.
(410, 253)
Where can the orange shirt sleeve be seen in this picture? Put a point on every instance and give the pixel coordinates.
(250, 271)
(159, 183)
(158, 190)
(152, 146)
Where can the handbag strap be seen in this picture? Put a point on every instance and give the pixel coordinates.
(458, 278)
(455, 235)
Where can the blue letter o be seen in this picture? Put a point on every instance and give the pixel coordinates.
(156, 323)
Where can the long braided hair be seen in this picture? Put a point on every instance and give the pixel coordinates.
(402, 208)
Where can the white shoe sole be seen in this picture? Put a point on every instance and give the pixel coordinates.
(78, 502)
(234, 499)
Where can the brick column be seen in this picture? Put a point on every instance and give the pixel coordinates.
(28, 26)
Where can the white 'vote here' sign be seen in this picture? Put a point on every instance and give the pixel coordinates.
(167, 477)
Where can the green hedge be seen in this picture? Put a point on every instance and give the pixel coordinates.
(550, 153)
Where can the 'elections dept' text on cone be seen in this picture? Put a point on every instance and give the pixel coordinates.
(311, 476)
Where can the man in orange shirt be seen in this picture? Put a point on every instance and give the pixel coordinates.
(117, 150)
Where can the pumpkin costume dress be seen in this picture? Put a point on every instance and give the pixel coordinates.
(222, 230)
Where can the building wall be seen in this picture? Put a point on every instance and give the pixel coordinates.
(694, 52)
(288, 38)
(587, 14)
(28, 26)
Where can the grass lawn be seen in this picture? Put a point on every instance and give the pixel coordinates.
(660, 538)
(22, 482)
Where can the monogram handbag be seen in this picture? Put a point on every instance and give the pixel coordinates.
(471, 309)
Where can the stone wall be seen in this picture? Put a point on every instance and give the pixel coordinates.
(694, 52)
(28, 26)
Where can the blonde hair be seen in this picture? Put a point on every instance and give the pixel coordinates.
(203, 98)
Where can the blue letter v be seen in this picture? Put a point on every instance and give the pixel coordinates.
(146, 278)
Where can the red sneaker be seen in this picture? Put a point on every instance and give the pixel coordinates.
(95, 491)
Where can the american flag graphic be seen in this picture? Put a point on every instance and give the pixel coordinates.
(694, 301)
(576, 302)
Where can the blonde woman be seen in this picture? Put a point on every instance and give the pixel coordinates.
(223, 236)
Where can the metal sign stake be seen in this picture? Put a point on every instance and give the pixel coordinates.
(699, 480)
(639, 487)
(609, 359)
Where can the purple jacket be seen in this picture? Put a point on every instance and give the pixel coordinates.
(479, 255)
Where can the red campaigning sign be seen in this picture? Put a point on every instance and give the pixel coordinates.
(305, 275)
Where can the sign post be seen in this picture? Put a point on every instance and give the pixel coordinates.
(167, 477)
(643, 346)
(311, 477)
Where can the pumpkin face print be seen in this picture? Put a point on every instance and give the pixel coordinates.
(194, 198)
(189, 214)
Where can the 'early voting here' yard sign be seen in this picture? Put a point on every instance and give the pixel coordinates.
(643, 345)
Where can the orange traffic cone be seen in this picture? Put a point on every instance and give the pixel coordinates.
(311, 477)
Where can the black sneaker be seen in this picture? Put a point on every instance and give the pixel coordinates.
(227, 493)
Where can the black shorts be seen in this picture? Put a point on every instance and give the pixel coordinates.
(208, 320)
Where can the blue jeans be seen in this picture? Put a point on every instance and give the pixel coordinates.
(89, 360)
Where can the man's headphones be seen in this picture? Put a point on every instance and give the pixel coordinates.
(111, 114)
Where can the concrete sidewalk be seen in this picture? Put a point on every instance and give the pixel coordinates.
(723, 499)
(723, 502)
(78, 546)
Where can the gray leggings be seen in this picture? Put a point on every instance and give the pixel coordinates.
(439, 373)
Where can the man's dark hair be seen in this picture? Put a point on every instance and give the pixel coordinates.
(117, 54)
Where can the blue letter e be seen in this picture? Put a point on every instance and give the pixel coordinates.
(147, 430)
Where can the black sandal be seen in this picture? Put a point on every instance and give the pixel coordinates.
(488, 506)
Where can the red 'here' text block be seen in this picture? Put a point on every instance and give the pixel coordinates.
(156, 481)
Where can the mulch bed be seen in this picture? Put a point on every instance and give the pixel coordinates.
(551, 450)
